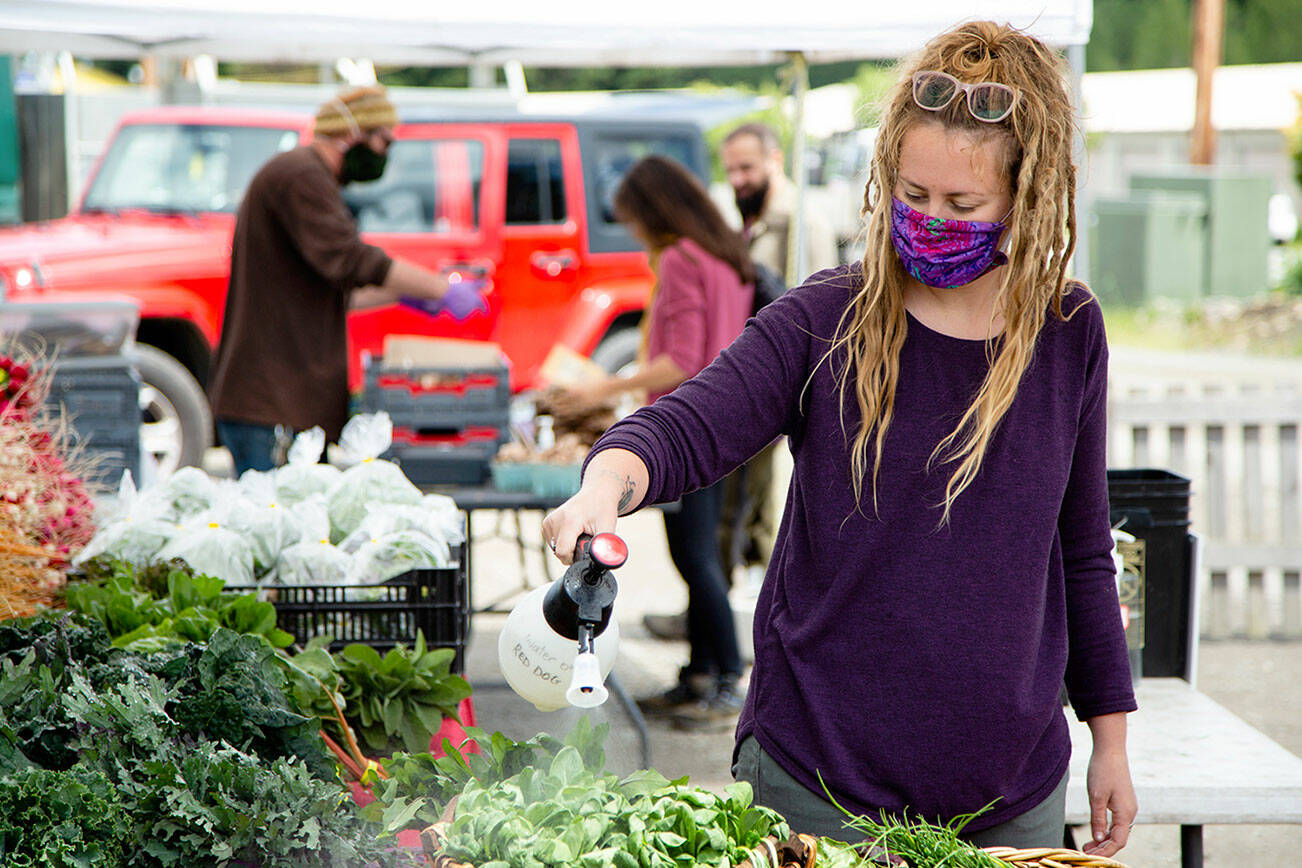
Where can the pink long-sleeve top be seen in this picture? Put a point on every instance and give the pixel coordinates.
(700, 307)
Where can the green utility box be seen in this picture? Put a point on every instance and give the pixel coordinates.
(1237, 241)
(1148, 245)
(10, 166)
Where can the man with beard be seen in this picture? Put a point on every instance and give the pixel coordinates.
(766, 198)
(297, 266)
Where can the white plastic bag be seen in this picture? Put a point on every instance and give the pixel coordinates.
(210, 548)
(444, 517)
(186, 493)
(303, 475)
(135, 530)
(393, 554)
(253, 511)
(370, 480)
(441, 529)
(312, 562)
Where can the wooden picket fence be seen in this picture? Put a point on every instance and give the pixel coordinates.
(1232, 426)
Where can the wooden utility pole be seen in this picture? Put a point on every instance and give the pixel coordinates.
(1208, 38)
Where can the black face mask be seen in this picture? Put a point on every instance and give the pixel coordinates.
(751, 204)
(362, 163)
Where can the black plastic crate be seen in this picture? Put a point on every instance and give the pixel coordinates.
(438, 397)
(103, 389)
(113, 452)
(466, 464)
(101, 399)
(435, 456)
(1153, 506)
(383, 615)
(1149, 497)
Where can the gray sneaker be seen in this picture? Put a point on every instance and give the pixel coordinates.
(670, 627)
(719, 710)
(689, 690)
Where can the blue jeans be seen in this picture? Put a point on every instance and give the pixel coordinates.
(252, 446)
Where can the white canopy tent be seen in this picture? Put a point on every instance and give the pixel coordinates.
(576, 33)
(559, 34)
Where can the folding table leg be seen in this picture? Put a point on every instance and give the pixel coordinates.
(1191, 847)
(634, 714)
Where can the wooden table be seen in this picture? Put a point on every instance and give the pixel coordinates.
(1194, 763)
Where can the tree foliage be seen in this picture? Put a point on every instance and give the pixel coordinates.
(1153, 34)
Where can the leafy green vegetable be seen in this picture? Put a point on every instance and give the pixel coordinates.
(61, 819)
(547, 803)
(906, 840)
(420, 785)
(395, 701)
(146, 609)
(194, 756)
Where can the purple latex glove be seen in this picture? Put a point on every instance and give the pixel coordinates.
(463, 298)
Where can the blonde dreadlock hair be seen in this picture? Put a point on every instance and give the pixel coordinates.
(1038, 139)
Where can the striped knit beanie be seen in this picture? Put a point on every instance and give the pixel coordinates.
(353, 111)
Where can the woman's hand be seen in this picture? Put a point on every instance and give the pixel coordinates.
(613, 484)
(1108, 784)
(580, 397)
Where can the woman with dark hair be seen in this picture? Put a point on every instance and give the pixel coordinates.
(702, 297)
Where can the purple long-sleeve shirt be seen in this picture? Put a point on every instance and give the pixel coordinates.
(913, 665)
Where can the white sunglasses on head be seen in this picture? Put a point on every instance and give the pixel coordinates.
(987, 101)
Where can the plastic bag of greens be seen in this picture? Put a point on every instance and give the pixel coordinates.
(312, 562)
(383, 519)
(368, 481)
(210, 548)
(186, 493)
(135, 530)
(313, 517)
(303, 473)
(444, 518)
(393, 554)
(253, 510)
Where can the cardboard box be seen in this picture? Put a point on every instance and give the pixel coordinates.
(416, 351)
(565, 367)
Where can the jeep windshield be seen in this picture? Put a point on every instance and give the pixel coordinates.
(182, 168)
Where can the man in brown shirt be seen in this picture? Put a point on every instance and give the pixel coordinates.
(297, 266)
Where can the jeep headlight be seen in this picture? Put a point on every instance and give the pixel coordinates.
(25, 277)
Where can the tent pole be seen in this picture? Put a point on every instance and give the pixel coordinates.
(796, 237)
(1080, 265)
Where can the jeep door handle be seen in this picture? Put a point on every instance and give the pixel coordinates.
(553, 263)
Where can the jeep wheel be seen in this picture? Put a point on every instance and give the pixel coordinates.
(617, 352)
(176, 422)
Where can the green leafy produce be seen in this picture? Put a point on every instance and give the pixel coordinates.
(557, 807)
(194, 756)
(395, 701)
(145, 608)
(896, 840)
(61, 819)
(420, 785)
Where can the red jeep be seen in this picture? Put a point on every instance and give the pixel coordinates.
(522, 200)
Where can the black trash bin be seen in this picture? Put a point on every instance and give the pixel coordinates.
(1153, 506)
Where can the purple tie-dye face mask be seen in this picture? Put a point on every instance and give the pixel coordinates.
(944, 253)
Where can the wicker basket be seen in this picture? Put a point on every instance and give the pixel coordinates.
(801, 851)
(1051, 858)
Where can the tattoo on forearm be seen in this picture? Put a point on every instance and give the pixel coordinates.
(626, 499)
(629, 489)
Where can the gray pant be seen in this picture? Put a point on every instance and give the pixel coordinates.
(808, 812)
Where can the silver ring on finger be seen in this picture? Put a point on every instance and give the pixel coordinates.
(551, 544)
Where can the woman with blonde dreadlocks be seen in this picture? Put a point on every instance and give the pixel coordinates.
(943, 563)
